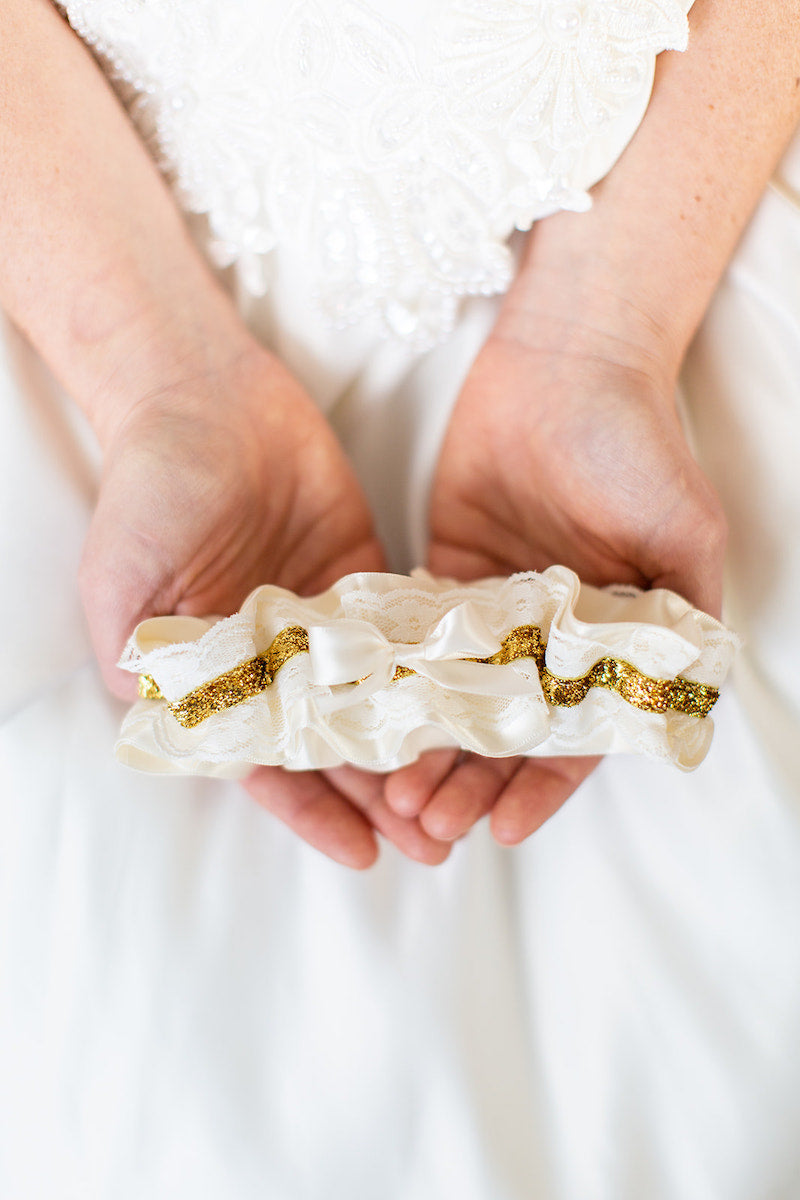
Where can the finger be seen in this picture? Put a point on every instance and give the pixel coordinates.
(316, 812)
(466, 795)
(110, 621)
(451, 561)
(699, 581)
(409, 789)
(115, 583)
(365, 789)
(693, 563)
(537, 790)
(325, 571)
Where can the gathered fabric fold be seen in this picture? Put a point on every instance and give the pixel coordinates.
(381, 667)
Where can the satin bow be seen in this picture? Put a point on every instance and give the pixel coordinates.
(349, 650)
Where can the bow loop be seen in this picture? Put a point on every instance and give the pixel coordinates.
(461, 633)
(347, 651)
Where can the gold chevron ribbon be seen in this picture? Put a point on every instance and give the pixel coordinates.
(251, 678)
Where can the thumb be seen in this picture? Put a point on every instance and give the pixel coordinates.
(118, 580)
(693, 566)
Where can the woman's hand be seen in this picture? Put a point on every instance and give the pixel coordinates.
(211, 487)
(227, 479)
(564, 447)
(219, 473)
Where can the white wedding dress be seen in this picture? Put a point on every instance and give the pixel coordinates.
(193, 1003)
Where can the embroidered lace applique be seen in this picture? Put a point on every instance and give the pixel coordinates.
(398, 161)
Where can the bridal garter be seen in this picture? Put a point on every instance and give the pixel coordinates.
(382, 667)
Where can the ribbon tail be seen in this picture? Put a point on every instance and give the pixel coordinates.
(481, 679)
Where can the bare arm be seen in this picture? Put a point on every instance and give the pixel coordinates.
(565, 444)
(666, 219)
(219, 472)
(96, 263)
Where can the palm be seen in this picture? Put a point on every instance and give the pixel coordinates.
(582, 462)
(204, 497)
(208, 492)
(556, 459)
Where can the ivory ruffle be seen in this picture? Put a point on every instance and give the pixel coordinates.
(380, 668)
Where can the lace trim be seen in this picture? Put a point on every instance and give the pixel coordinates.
(396, 161)
(617, 674)
(642, 691)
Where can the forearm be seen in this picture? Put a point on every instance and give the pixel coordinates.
(666, 219)
(96, 264)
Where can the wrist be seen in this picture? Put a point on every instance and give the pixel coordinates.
(571, 307)
(180, 349)
(654, 285)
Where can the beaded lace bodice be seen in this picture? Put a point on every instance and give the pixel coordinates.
(396, 149)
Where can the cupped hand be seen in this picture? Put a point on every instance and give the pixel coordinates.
(564, 447)
(227, 479)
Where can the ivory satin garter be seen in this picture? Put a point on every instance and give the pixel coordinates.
(380, 668)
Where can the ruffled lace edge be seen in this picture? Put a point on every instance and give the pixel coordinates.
(389, 673)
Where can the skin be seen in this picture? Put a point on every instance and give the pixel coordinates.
(597, 475)
(565, 445)
(209, 442)
(219, 472)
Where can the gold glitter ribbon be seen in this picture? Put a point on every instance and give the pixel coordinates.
(253, 677)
